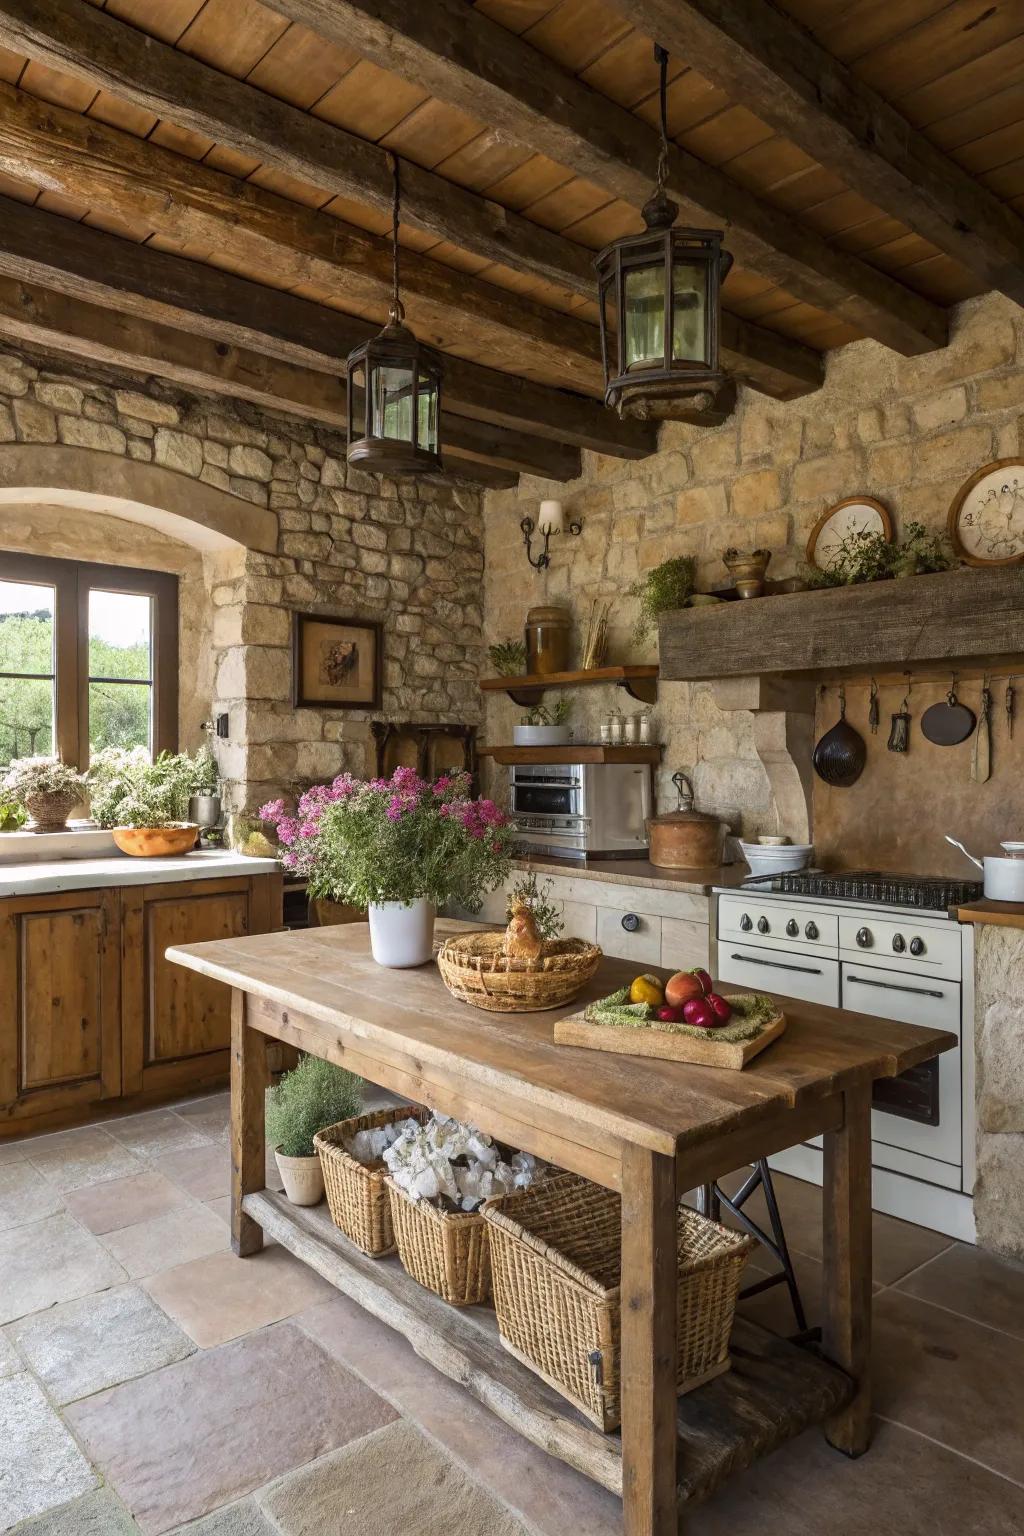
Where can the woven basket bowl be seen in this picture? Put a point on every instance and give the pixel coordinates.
(446, 1251)
(356, 1196)
(476, 970)
(555, 1259)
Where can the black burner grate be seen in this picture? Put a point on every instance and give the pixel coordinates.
(932, 893)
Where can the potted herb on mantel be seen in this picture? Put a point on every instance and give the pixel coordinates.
(399, 848)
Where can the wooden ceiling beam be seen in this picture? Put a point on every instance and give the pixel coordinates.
(460, 55)
(225, 312)
(786, 78)
(77, 38)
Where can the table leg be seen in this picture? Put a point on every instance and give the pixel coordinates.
(847, 1300)
(248, 1137)
(648, 1369)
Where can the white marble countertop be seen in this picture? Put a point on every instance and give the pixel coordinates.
(121, 869)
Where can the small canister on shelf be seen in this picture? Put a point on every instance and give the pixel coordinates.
(548, 630)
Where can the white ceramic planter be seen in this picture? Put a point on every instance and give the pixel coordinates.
(402, 936)
(303, 1178)
(541, 735)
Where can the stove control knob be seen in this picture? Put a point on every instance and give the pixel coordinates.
(631, 922)
(811, 931)
(792, 927)
(763, 925)
(745, 923)
(917, 946)
(864, 938)
(899, 943)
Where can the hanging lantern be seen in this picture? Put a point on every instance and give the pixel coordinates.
(660, 304)
(394, 391)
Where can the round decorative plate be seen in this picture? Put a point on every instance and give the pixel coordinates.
(857, 514)
(986, 520)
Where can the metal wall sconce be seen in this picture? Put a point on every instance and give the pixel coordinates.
(550, 522)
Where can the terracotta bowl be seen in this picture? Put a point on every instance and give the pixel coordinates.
(152, 842)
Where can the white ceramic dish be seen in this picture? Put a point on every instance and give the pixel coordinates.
(541, 735)
(778, 860)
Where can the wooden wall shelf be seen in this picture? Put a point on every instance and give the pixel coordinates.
(921, 624)
(578, 752)
(640, 682)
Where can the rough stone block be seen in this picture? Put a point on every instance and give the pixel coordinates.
(701, 504)
(963, 450)
(177, 450)
(752, 495)
(35, 423)
(829, 476)
(131, 402)
(78, 432)
(62, 397)
(935, 411)
(250, 463)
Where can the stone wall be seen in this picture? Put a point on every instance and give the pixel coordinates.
(348, 544)
(999, 1053)
(906, 430)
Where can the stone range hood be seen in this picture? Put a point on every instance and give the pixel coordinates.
(766, 655)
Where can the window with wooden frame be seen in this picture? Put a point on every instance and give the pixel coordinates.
(88, 659)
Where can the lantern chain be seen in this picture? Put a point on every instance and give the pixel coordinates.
(661, 58)
(397, 311)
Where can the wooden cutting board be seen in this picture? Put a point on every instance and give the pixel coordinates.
(664, 1044)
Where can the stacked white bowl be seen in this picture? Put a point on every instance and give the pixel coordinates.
(776, 858)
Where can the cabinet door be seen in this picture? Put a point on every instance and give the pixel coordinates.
(629, 935)
(59, 1001)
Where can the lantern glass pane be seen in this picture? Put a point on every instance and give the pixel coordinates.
(689, 312)
(644, 297)
(427, 410)
(391, 415)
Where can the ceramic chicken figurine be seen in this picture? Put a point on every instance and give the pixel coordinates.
(522, 941)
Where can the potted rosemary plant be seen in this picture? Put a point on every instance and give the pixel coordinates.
(313, 1095)
(398, 848)
(47, 788)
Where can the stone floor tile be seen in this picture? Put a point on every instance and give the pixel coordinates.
(10, 1361)
(244, 1519)
(50, 1261)
(389, 1482)
(220, 1297)
(204, 1172)
(211, 1115)
(124, 1202)
(72, 1159)
(25, 1196)
(950, 1378)
(221, 1208)
(904, 1486)
(538, 1487)
(181, 1442)
(96, 1342)
(97, 1514)
(975, 1283)
(11, 1152)
(41, 1466)
(155, 1132)
(189, 1231)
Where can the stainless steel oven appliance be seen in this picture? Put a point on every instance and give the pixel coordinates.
(883, 945)
(582, 810)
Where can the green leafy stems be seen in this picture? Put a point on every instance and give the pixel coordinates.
(866, 555)
(508, 658)
(665, 587)
(126, 789)
(314, 1095)
(558, 713)
(526, 891)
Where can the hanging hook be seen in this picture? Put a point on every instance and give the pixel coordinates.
(842, 701)
(661, 59)
(873, 707)
(951, 698)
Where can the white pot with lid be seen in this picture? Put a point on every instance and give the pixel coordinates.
(1004, 876)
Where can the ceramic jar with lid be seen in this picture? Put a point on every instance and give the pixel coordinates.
(548, 630)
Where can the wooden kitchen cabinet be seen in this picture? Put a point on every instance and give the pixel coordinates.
(90, 1010)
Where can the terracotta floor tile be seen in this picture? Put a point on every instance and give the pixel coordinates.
(98, 1341)
(230, 1419)
(950, 1378)
(977, 1284)
(124, 1202)
(204, 1172)
(41, 1466)
(155, 1132)
(51, 1261)
(72, 1159)
(25, 1196)
(188, 1231)
(220, 1297)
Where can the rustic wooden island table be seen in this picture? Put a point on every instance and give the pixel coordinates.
(652, 1130)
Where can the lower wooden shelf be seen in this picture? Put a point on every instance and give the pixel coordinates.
(774, 1391)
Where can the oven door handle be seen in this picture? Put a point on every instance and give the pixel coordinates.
(892, 986)
(779, 965)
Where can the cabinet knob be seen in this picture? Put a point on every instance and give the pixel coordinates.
(864, 938)
(917, 946)
(763, 925)
(899, 943)
(811, 931)
(745, 923)
(631, 922)
(792, 927)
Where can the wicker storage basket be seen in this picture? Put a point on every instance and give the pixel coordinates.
(476, 970)
(555, 1254)
(446, 1251)
(356, 1194)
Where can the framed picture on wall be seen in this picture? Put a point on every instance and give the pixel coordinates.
(336, 663)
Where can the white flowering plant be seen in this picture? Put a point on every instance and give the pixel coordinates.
(453, 1165)
(41, 776)
(128, 789)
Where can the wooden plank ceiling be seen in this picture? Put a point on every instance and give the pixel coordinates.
(221, 167)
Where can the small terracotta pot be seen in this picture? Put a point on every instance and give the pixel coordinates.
(50, 810)
(156, 842)
(303, 1178)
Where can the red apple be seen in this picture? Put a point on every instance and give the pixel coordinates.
(706, 984)
(699, 1012)
(681, 987)
(669, 1015)
(721, 1007)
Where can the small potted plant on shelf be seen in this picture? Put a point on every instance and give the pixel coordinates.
(313, 1095)
(508, 658)
(397, 848)
(145, 802)
(669, 585)
(545, 727)
(47, 788)
(204, 802)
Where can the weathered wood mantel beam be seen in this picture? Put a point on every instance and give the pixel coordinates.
(463, 57)
(75, 37)
(219, 313)
(788, 80)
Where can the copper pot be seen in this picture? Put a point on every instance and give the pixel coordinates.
(686, 840)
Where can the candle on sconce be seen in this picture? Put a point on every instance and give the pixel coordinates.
(551, 517)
